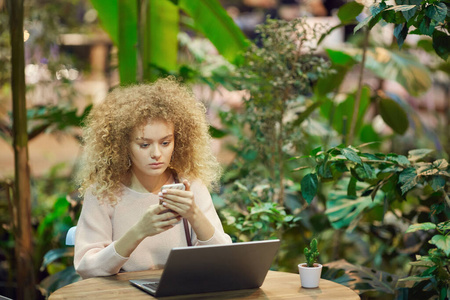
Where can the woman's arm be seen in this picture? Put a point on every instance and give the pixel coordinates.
(96, 254)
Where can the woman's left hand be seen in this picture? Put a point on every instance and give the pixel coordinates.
(181, 202)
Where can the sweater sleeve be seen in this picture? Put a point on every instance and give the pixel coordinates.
(95, 254)
(204, 201)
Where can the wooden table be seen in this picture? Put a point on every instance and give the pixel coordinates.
(277, 285)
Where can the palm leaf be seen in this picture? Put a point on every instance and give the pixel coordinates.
(213, 21)
(358, 278)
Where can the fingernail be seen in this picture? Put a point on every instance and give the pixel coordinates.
(164, 203)
(164, 191)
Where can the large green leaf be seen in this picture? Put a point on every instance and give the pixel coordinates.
(408, 14)
(108, 14)
(339, 57)
(351, 154)
(127, 41)
(330, 82)
(437, 12)
(349, 11)
(342, 114)
(437, 183)
(407, 179)
(213, 21)
(360, 279)
(442, 242)
(119, 19)
(159, 31)
(398, 66)
(49, 118)
(309, 186)
(393, 115)
(441, 40)
(342, 209)
(418, 154)
(421, 226)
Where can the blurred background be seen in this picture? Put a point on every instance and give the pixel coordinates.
(293, 89)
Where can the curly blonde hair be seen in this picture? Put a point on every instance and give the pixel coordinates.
(105, 163)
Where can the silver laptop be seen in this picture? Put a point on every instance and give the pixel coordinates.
(203, 269)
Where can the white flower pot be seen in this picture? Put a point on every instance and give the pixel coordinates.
(310, 277)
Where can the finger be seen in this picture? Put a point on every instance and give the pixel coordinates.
(176, 207)
(187, 185)
(167, 193)
(171, 222)
(157, 209)
(169, 214)
(175, 200)
(176, 203)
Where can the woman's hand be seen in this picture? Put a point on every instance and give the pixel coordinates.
(180, 202)
(155, 220)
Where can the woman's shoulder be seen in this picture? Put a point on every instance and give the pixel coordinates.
(197, 186)
(93, 194)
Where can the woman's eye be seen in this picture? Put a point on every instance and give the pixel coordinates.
(166, 143)
(144, 145)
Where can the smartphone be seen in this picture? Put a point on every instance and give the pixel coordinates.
(177, 186)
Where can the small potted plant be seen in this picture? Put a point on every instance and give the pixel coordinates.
(310, 271)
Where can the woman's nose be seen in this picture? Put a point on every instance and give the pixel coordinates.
(155, 152)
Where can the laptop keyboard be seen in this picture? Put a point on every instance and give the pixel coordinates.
(151, 285)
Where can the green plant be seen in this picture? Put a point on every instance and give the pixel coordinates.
(311, 253)
(146, 33)
(253, 219)
(278, 75)
(426, 17)
(371, 188)
(434, 267)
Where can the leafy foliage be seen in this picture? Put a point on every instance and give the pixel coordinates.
(157, 39)
(366, 182)
(381, 172)
(360, 279)
(429, 17)
(278, 72)
(434, 267)
(254, 220)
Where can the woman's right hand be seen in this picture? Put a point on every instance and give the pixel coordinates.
(155, 220)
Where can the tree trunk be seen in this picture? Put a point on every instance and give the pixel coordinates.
(22, 204)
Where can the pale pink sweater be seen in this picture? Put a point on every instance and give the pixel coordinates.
(100, 225)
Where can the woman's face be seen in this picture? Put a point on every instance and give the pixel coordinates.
(151, 148)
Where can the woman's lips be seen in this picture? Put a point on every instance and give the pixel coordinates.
(156, 165)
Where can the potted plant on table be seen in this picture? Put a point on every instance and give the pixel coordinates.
(310, 271)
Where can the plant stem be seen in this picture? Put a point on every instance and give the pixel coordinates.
(351, 132)
(280, 158)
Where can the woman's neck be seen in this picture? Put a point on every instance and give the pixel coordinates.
(153, 185)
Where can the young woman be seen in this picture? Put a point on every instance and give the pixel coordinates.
(141, 138)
